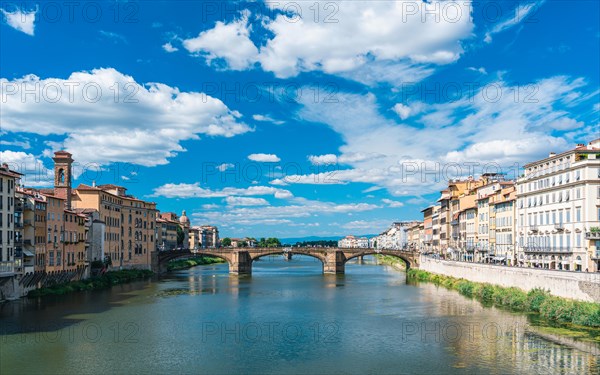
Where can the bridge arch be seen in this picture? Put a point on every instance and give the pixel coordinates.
(395, 254)
(164, 257)
(281, 252)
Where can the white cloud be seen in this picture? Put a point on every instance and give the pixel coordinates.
(478, 70)
(116, 37)
(112, 114)
(195, 191)
(32, 167)
(227, 41)
(391, 203)
(264, 118)
(246, 201)
(366, 41)
(374, 226)
(416, 157)
(363, 33)
(25, 145)
(168, 47)
(403, 111)
(300, 208)
(323, 159)
(264, 158)
(349, 158)
(21, 20)
(225, 166)
(521, 13)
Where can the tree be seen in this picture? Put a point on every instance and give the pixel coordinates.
(226, 242)
(180, 236)
(273, 242)
(262, 242)
(243, 244)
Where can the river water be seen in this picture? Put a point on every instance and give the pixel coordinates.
(287, 318)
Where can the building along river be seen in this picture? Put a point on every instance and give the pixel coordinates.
(286, 318)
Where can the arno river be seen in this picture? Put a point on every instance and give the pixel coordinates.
(286, 318)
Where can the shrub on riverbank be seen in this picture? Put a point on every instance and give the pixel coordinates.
(188, 263)
(101, 282)
(538, 301)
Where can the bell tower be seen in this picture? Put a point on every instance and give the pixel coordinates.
(62, 176)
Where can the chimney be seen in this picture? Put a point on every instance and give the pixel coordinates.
(552, 154)
(93, 183)
(580, 145)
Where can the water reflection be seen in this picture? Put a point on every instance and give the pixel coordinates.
(286, 318)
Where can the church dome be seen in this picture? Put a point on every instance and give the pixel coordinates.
(184, 219)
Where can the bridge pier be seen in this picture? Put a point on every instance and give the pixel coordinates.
(334, 262)
(241, 263)
(287, 255)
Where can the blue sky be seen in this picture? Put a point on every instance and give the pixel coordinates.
(295, 118)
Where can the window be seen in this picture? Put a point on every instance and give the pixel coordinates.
(578, 214)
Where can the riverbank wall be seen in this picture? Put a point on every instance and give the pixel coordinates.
(582, 286)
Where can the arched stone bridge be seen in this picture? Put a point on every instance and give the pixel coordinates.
(240, 259)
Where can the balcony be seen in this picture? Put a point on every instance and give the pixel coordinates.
(559, 227)
(547, 250)
(596, 255)
(27, 222)
(7, 269)
(593, 234)
(534, 228)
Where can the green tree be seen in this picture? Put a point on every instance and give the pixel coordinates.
(243, 244)
(262, 242)
(226, 242)
(180, 236)
(273, 242)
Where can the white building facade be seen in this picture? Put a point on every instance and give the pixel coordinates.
(558, 211)
(8, 182)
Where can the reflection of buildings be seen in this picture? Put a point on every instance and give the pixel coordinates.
(478, 335)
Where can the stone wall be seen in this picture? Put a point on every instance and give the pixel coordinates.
(576, 285)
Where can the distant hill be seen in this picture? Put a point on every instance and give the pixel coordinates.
(293, 240)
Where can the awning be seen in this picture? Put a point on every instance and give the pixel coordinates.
(28, 253)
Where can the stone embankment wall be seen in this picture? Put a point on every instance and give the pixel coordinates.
(581, 286)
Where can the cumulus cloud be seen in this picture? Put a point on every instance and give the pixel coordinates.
(265, 118)
(391, 203)
(229, 42)
(168, 47)
(366, 41)
(109, 112)
(21, 20)
(300, 208)
(194, 190)
(246, 201)
(32, 167)
(264, 158)
(403, 111)
(225, 166)
(414, 156)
